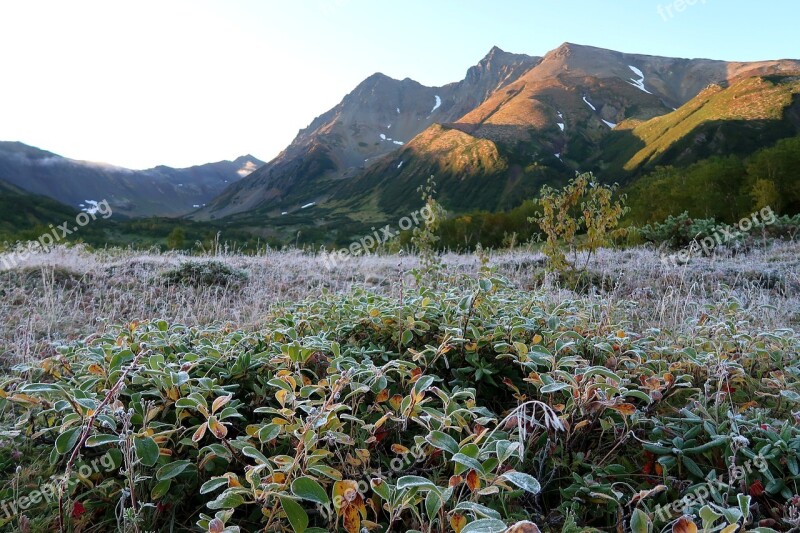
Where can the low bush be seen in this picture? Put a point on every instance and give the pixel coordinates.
(205, 273)
(466, 408)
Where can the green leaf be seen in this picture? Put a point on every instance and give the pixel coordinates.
(523, 481)
(297, 515)
(173, 469)
(161, 489)
(99, 440)
(67, 440)
(443, 441)
(268, 432)
(410, 482)
(478, 509)
(146, 450)
(468, 462)
(226, 500)
(308, 489)
(640, 522)
(554, 387)
(485, 525)
(39, 387)
(407, 337)
(213, 484)
(433, 502)
(381, 488)
(692, 467)
(744, 504)
(252, 453)
(423, 384)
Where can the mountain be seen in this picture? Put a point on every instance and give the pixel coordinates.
(750, 113)
(161, 191)
(377, 118)
(22, 211)
(514, 123)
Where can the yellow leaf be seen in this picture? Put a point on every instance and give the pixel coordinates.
(96, 369)
(537, 339)
(281, 396)
(21, 397)
(399, 448)
(374, 312)
(621, 334)
(382, 420)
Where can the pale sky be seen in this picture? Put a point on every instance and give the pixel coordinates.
(184, 82)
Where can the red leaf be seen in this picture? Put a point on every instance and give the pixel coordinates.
(78, 509)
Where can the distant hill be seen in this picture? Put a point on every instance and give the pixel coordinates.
(160, 191)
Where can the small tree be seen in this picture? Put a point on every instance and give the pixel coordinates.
(424, 238)
(176, 239)
(582, 205)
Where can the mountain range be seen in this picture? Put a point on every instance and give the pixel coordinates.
(159, 191)
(514, 123)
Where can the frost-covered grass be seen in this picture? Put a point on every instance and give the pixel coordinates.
(71, 293)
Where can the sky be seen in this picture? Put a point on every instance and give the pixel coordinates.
(185, 82)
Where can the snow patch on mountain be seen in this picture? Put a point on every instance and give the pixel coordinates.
(438, 103)
(639, 84)
(589, 104)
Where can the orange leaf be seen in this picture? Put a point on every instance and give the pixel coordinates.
(200, 433)
(395, 402)
(625, 408)
(473, 481)
(352, 520)
(399, 448)
(455, 481)
(684, 525)
(382, 396)
(458, 522)
(219, 402)
(217, 428)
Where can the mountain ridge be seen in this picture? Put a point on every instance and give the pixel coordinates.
(157, 191)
